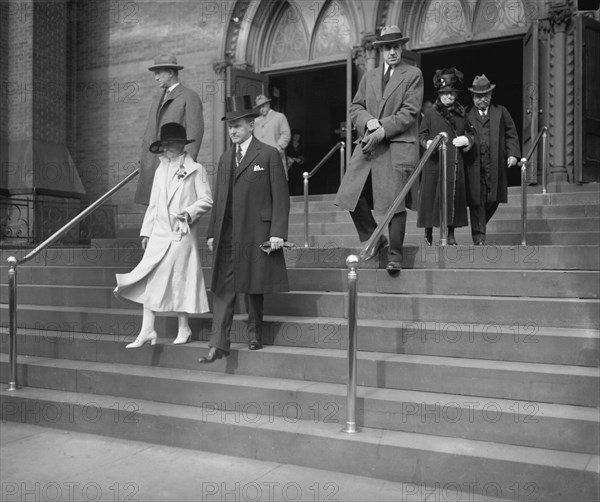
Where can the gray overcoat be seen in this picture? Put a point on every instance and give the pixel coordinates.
(182, 106)
(395, 158)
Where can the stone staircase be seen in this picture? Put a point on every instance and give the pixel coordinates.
(477, 367)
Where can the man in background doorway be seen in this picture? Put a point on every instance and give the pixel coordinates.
(496, 149)
(176, 104)
(384, 111)
(272, 128)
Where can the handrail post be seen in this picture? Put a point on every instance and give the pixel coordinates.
(305, 176)
(523, 201)
(444, 194)
(352, 263)
(545, 161)
(12, 330)
(342, 160)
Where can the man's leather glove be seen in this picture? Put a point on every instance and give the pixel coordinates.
(370, 141)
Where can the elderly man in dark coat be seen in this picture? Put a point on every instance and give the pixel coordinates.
(251, 209)
(496, 149)
(175, 104)
(384, 111)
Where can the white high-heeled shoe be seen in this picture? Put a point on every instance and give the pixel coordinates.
(183, 336)
(142, 339)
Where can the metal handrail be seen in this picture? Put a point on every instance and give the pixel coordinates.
(543, 134)
(341, 146)
(14, 262)
(353, 263)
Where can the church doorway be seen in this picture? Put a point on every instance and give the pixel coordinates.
(500, 61)
(314, 102)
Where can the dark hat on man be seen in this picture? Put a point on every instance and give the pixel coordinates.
(481, 85)
(167, 61)
(447, 80)
(390, 35)
(237, 107)
(173, 132)
(261, 99)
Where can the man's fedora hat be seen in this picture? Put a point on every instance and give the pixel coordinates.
(172, 132)
(390, 35)
(165, 61)
(481, 85)
(261, 99)
(237, 107)
(447, 80)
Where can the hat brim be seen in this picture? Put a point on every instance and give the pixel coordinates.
(240, 115)
(156, 147)
(477, 91)
(448, 89)
(166, 66)
(268, 100)
(401, 40)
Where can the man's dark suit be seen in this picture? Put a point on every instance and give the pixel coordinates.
(251, 204)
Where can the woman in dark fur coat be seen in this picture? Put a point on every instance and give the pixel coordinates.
(447, 115)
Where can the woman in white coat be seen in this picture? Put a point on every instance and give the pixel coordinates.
(169, 277)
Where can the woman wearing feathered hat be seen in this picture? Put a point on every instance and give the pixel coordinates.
(447, 115)
(169, 277)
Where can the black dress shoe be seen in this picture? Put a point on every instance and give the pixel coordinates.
(480, 242)
(451, 240)
(393, 267)
(213, 354)
(255, 345)
(429, 236)
(381, 243)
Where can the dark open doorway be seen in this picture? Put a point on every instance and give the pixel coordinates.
(502, 63)
(314, 102)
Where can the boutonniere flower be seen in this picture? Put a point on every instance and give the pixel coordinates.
(181, 174)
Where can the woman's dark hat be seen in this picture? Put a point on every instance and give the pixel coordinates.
(447, 80)
(390, 35)
(237, 107)
(165, 61)
(173, 132)
(481, 85)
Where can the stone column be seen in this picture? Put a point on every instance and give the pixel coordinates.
(42, 183)
(559, 17)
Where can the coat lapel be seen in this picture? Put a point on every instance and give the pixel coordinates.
(376, 82)
(395, 80)
(251, 154)
(173, 185)
(172, 95)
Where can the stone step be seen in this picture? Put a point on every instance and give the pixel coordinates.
(331, 255)
(414, 237)
(504, 212)
(518, 341)
(390, 455)
(554, 312)
(538, 283)
(523, 381)
(521, 423)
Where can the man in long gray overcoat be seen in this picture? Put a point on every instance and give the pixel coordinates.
(175, 104)
(251, 209)
(384, 111)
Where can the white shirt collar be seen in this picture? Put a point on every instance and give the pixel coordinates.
(173, 87)
(244, 145)
(386, 66)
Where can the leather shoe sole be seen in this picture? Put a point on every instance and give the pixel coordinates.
(255, 345)
(393, 266)
(213, 354)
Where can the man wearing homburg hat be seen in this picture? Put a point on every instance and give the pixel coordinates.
(496, 149)
(177, 104)
(247, 228)
(272, 127)
(384, 111)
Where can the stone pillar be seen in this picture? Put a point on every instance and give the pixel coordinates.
(559, 17)
(41, 181)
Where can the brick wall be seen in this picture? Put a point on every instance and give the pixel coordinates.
(116, 42)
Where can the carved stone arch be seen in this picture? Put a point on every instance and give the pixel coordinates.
(405, 15)
(336, 30)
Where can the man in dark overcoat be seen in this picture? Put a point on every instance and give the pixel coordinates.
(384, 111)
(251, 207)
(496, 149)
(175, 104)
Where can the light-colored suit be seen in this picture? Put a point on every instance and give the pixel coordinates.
(169, 277)
(274, 130)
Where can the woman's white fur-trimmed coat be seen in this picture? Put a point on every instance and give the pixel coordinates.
(169, 277)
